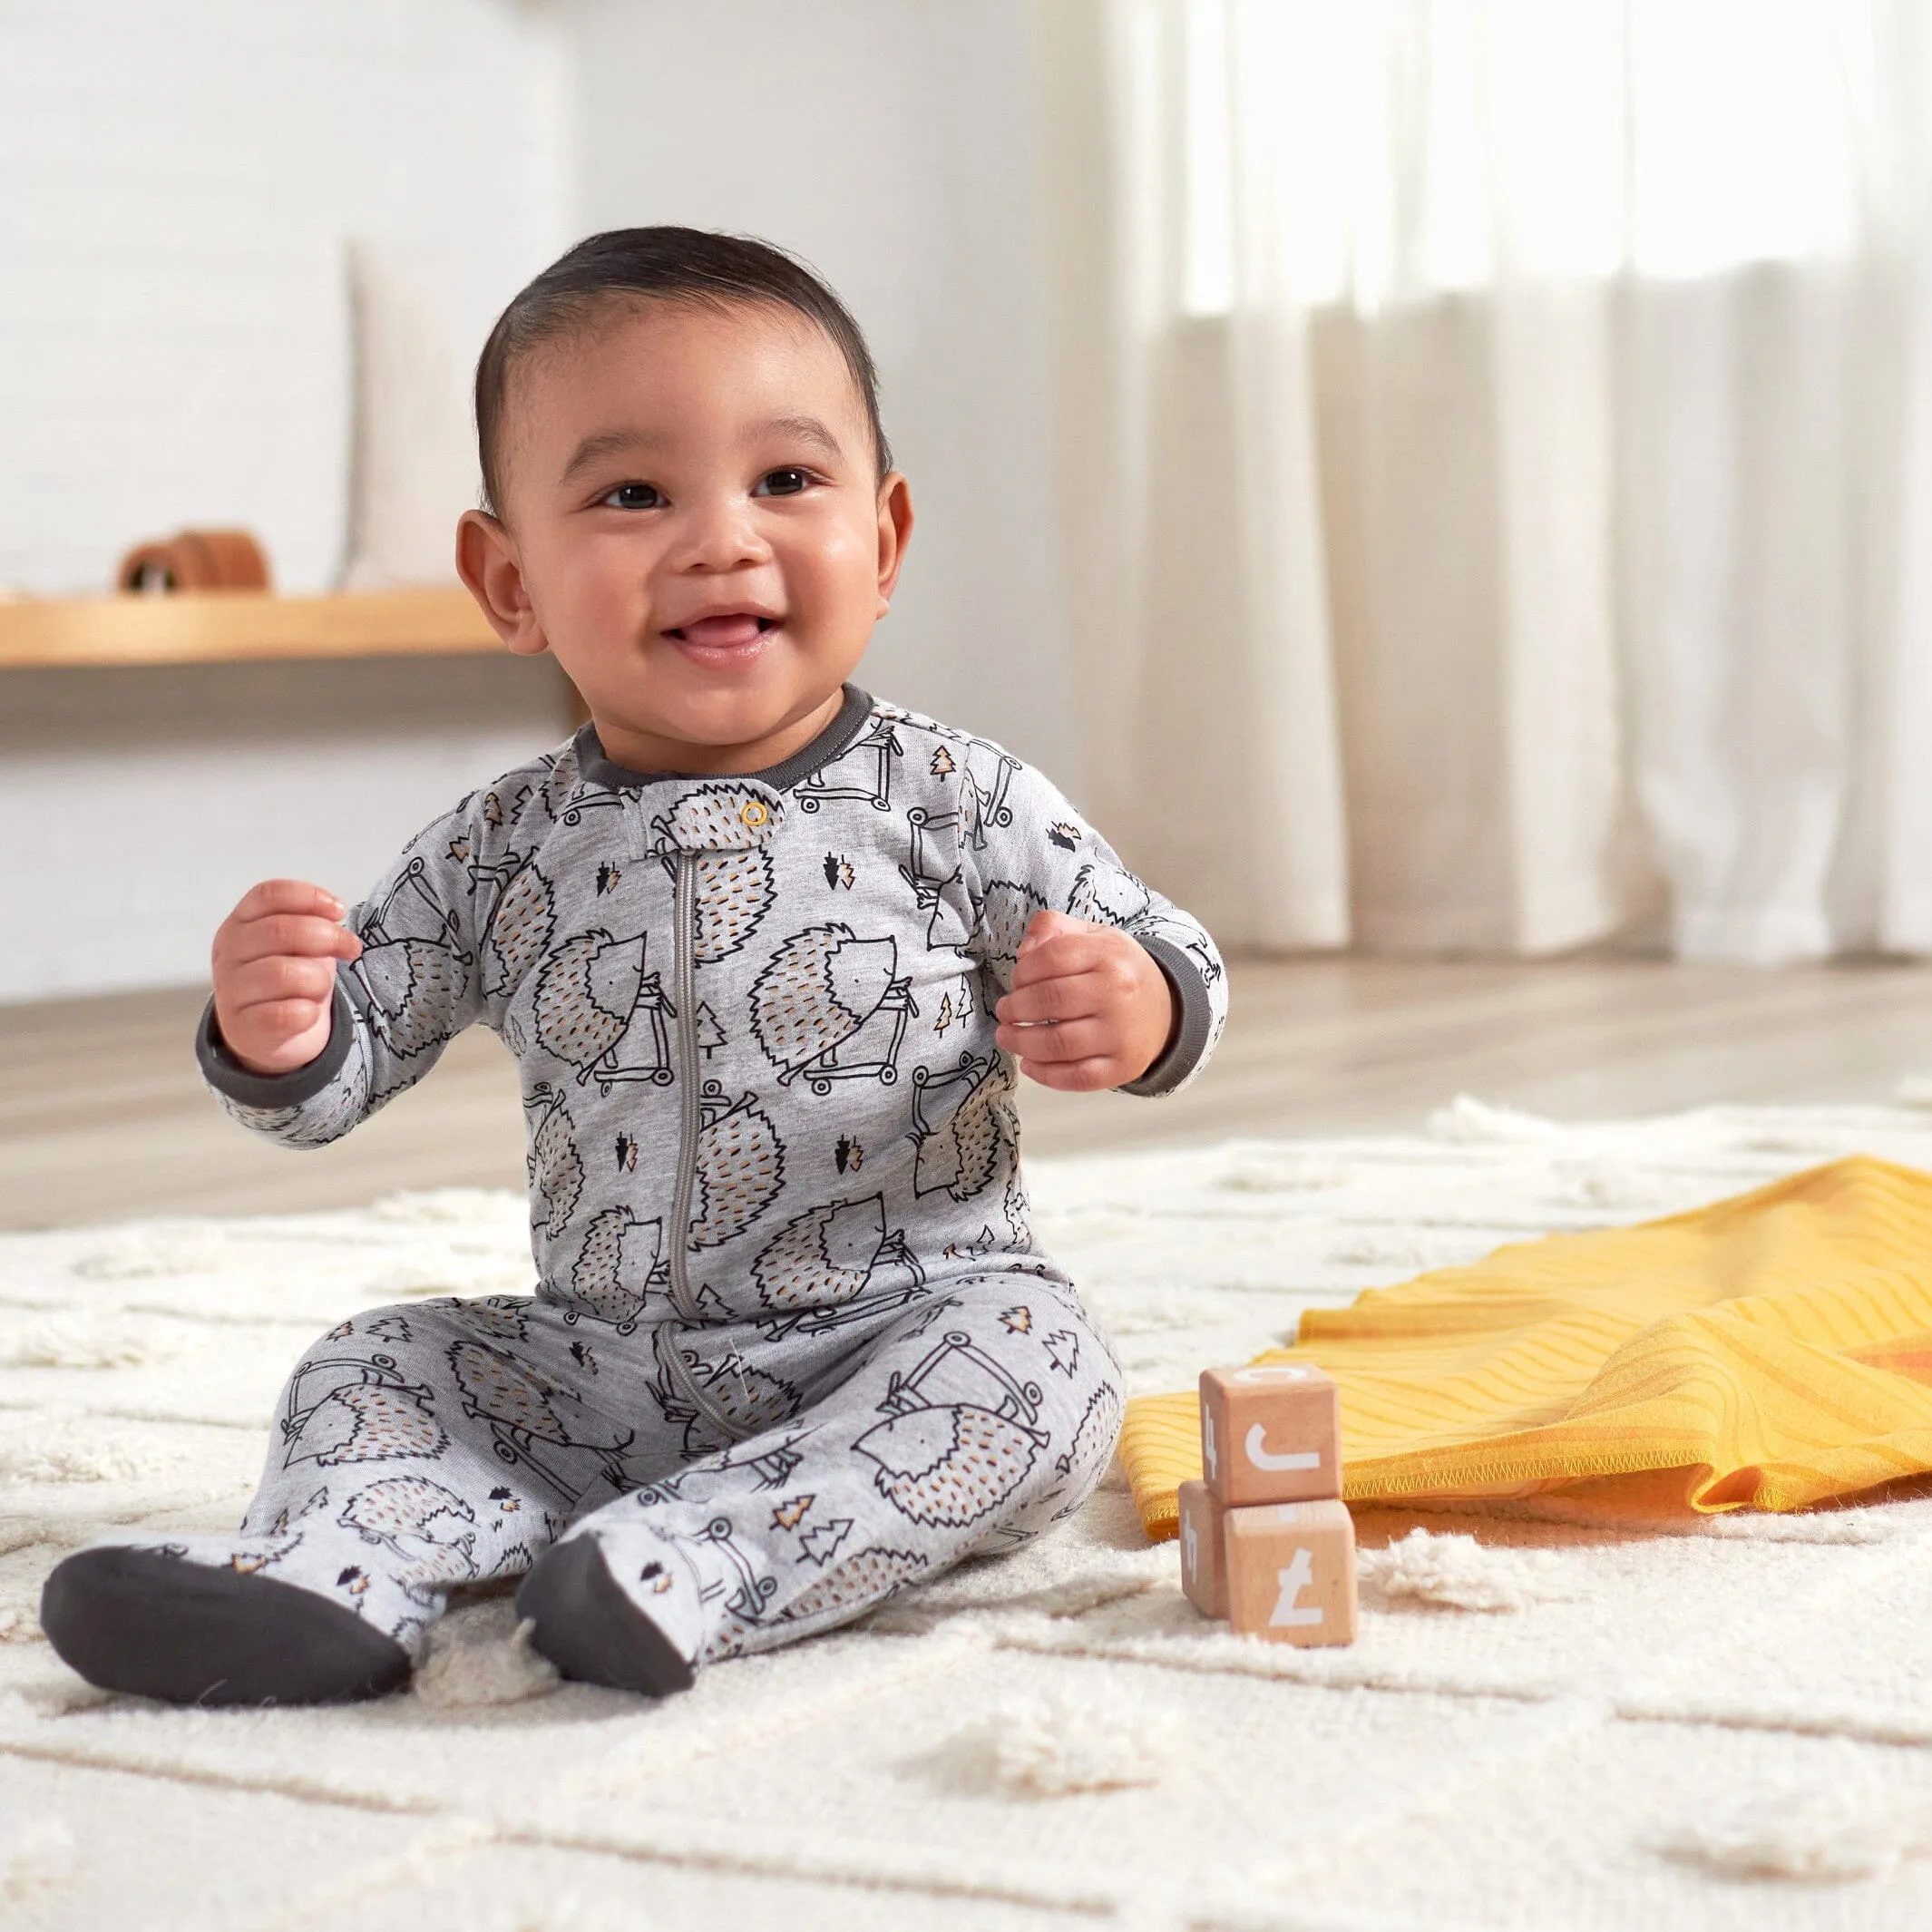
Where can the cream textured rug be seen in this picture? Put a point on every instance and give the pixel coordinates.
(1548, 1722)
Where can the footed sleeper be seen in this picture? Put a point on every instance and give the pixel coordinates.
(792, 1345)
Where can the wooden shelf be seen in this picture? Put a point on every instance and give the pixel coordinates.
(213, 627)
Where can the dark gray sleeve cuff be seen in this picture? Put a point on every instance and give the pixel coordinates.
(1182, 974)
(228, 1076)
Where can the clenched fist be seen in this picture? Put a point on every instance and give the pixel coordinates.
(1088, 1007)
(275, 973)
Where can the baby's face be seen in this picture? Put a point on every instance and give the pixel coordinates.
(693, 525)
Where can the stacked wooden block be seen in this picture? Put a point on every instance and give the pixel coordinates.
(1265, 1540)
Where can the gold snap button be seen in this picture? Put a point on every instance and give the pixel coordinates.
(754, 811)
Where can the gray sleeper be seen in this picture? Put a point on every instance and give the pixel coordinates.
(793, 1344)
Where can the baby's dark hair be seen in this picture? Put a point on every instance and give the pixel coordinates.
(669, 264)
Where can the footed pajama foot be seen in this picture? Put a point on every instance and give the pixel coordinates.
(188, 1633)
(591, 1630)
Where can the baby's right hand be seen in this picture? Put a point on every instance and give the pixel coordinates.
(275, 973)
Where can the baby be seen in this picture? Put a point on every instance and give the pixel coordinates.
(768, 951)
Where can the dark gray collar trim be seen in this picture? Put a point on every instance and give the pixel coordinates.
(852, 714)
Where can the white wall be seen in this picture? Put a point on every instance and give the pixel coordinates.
(177, 183)
(890, 144)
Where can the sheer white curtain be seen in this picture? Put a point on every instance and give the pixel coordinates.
(1496, 446)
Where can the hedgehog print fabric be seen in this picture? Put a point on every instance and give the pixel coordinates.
(792, 1343)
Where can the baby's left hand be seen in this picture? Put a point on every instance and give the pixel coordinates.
(1088, 1007)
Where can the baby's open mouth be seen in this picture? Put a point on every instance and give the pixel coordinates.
(724, 630)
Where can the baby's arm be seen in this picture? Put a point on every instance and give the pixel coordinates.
(1088, 1007)
(319, 1017)
(1105, 983)
(275, 974)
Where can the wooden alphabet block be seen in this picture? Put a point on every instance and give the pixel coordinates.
(1270, 1434)
(1290, 1572)
(1203, 1549)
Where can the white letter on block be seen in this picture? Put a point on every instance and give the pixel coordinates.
(1208, 1442)
(1190, 1551)
(1259, 1455)
(1293, 1580)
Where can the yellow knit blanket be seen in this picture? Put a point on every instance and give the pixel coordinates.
(1775, 1349)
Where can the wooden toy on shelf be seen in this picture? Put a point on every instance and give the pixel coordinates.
(195, 560)
(1266, 1539)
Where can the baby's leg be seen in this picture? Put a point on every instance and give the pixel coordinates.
(416, 1447)
(964, 1426)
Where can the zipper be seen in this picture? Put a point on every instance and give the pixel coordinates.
(685, 980)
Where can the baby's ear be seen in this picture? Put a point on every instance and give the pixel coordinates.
(896, 531)
(489, 565)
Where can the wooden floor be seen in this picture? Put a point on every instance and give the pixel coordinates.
(102, 1117)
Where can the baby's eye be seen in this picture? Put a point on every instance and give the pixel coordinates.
(633, 496)
(782, 483)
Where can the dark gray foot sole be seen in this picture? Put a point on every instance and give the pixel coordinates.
(591, 1630)
(189, 1633)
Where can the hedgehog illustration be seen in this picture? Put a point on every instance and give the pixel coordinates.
(1005, 913)
(721, 817)
(944, 1459)
(950, 1465)
(553, 1164)
(413, 986)
(502, 1317)
(498, 1387)
(740, 1167)
(827, 1255)
(621, 1262)
(521, 924)
(721, 832)
(561, 775)
(367, 1412)
(1099, 1429)
(591, 994)
(963, 1149)
(520, 1406)
(821, 992)
(411, 967)
(734, 893)
(863, 1577)
(417, 1520)
(1108, 895)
